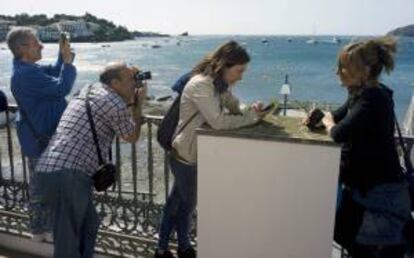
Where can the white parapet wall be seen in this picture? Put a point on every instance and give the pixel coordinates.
(265, 198)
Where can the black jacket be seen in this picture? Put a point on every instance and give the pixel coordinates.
(365, 126)
(3, 101)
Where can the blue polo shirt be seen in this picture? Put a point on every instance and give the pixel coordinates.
(40, 90)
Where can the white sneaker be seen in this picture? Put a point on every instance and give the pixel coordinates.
(38, 237)
(49, 237)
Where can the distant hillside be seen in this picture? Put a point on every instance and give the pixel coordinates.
(406, 31)
(88, 27)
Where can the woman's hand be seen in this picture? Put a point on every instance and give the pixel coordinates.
(328, 122)
(257, 106)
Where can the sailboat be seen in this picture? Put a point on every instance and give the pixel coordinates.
(336, 40)
(312, 40)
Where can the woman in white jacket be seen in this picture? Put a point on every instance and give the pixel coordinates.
(206, 99)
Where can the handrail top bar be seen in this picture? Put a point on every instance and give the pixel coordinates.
(15, 107)
(155, 117)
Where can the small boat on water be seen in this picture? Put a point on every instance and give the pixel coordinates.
(336, 40)
(311, 41)
(265, 41)
(156, 46)
(105, 45)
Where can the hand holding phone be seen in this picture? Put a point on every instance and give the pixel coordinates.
(67, 53)
(315, 118)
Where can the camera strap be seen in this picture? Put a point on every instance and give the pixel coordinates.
(406, 154)
(92, 124)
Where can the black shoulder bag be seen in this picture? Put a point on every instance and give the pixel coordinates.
(104, 177)
(169, 123)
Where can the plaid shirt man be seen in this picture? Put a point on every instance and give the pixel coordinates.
(72, 146)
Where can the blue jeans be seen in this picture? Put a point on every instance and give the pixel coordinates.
(69, 195)
(180, 205)
(40, 217)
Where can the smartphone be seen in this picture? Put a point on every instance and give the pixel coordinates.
(268, 107)
(64, 37)
(315, 118)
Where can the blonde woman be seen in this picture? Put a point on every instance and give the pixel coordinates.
(375, 203)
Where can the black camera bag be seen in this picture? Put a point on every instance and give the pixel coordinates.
(105, 176)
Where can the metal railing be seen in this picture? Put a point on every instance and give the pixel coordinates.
(130, 210)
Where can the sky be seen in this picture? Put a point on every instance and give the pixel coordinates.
(255, 17)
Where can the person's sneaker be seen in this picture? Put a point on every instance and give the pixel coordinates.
(165, 254)
(38, 237)
(187, 253)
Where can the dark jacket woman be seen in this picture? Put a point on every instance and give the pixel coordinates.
(375, 204)
(365, 126)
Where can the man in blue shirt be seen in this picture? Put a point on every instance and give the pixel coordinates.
(40, 92)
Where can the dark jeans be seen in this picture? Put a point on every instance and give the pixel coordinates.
(180, 205)
(41, 220)
(69, 195)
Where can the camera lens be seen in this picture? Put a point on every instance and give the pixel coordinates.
(141, 76)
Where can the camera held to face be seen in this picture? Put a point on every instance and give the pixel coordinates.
(143, 76)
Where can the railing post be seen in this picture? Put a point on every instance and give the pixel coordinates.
(10, 144)
(150, 163)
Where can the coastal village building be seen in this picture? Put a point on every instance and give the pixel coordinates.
(5, 27)
(48, 33)
(77, 29)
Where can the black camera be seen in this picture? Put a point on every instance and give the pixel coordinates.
(142, 76)
(315, 118)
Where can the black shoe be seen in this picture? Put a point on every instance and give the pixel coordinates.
(166, 254)
(187, 253)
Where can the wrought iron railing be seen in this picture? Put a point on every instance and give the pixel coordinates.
(130, 211)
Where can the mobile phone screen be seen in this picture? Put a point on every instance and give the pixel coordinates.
(268, 107)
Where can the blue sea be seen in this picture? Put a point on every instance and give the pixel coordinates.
(311, 67)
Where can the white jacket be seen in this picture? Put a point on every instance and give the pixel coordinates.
(199, 96)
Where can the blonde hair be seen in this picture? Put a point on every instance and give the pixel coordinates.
(376, 54)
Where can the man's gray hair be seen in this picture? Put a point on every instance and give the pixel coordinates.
(17, 37)
(111, 72)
